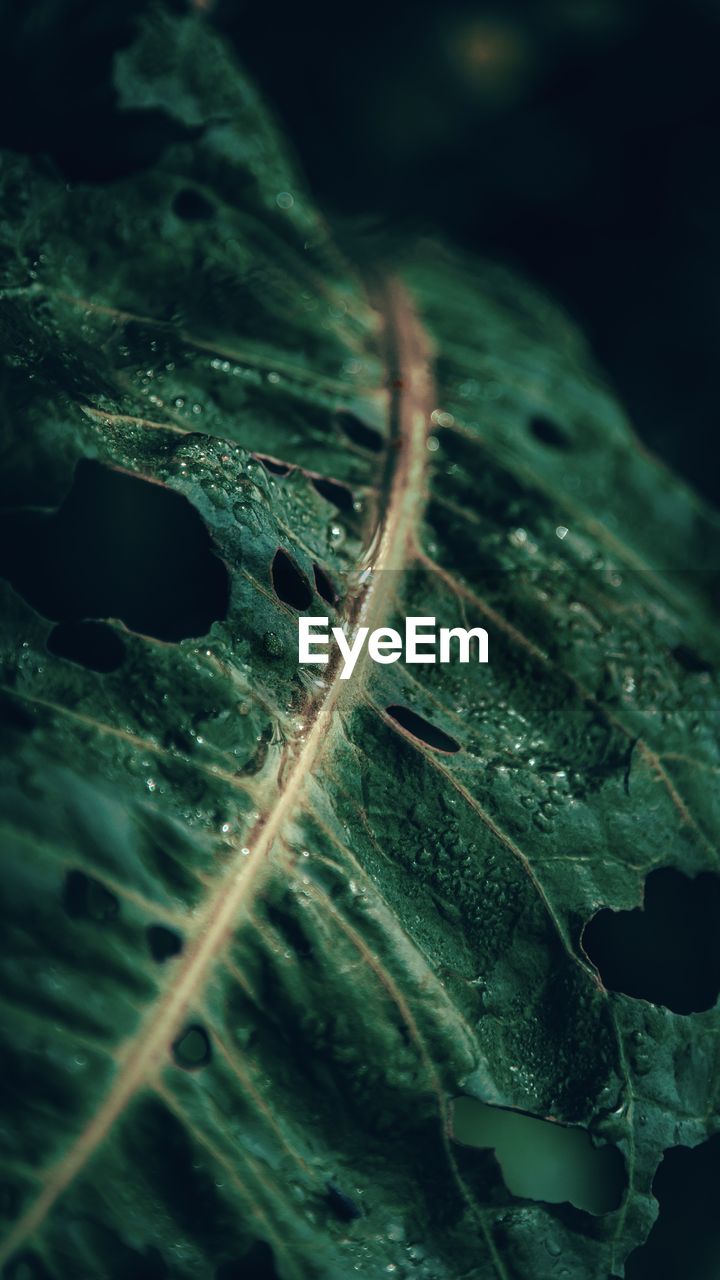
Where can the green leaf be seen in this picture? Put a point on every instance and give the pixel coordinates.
(258, 934)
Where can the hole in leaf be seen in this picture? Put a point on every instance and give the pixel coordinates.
(163, 942)
(117, 547)
(668, 950)
(324, 586)
(690, 660)
(192, 1048)
(86, 898)
(341, 1203)
(684, 1241)
(548, 432)
(542, 1160)
(57, 97)
(91, 644)
(360, 434)
(175, 1166)
(338, 494)
(423, 730)
(291, 586)
(290, 930)
(191, 206)
(257, 1264)
(271, 464)
(14, 715)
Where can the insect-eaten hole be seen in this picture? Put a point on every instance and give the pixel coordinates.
(324, 586)
(163, 943)
(542, 1160)
(120, 547)
(342, 1205)
(290, 585)
(690, 660)
(90, 644)
(668, 950)
(272, 464)
(15, 716)
(549, 433)
(359, 432)
(422, 729)
(684, 1240)
(338, 494)
(191, 206)
(85, 898)
(257, 1264)
(192, 1049)
(290, 930)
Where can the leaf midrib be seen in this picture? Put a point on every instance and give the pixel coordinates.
(145, 1053)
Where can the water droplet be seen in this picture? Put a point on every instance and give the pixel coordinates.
(442, 419)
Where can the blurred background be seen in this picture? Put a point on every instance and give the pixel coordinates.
(574, 139)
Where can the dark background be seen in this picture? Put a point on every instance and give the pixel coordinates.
(575, 139)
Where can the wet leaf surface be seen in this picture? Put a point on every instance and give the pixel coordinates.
(368, 927)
